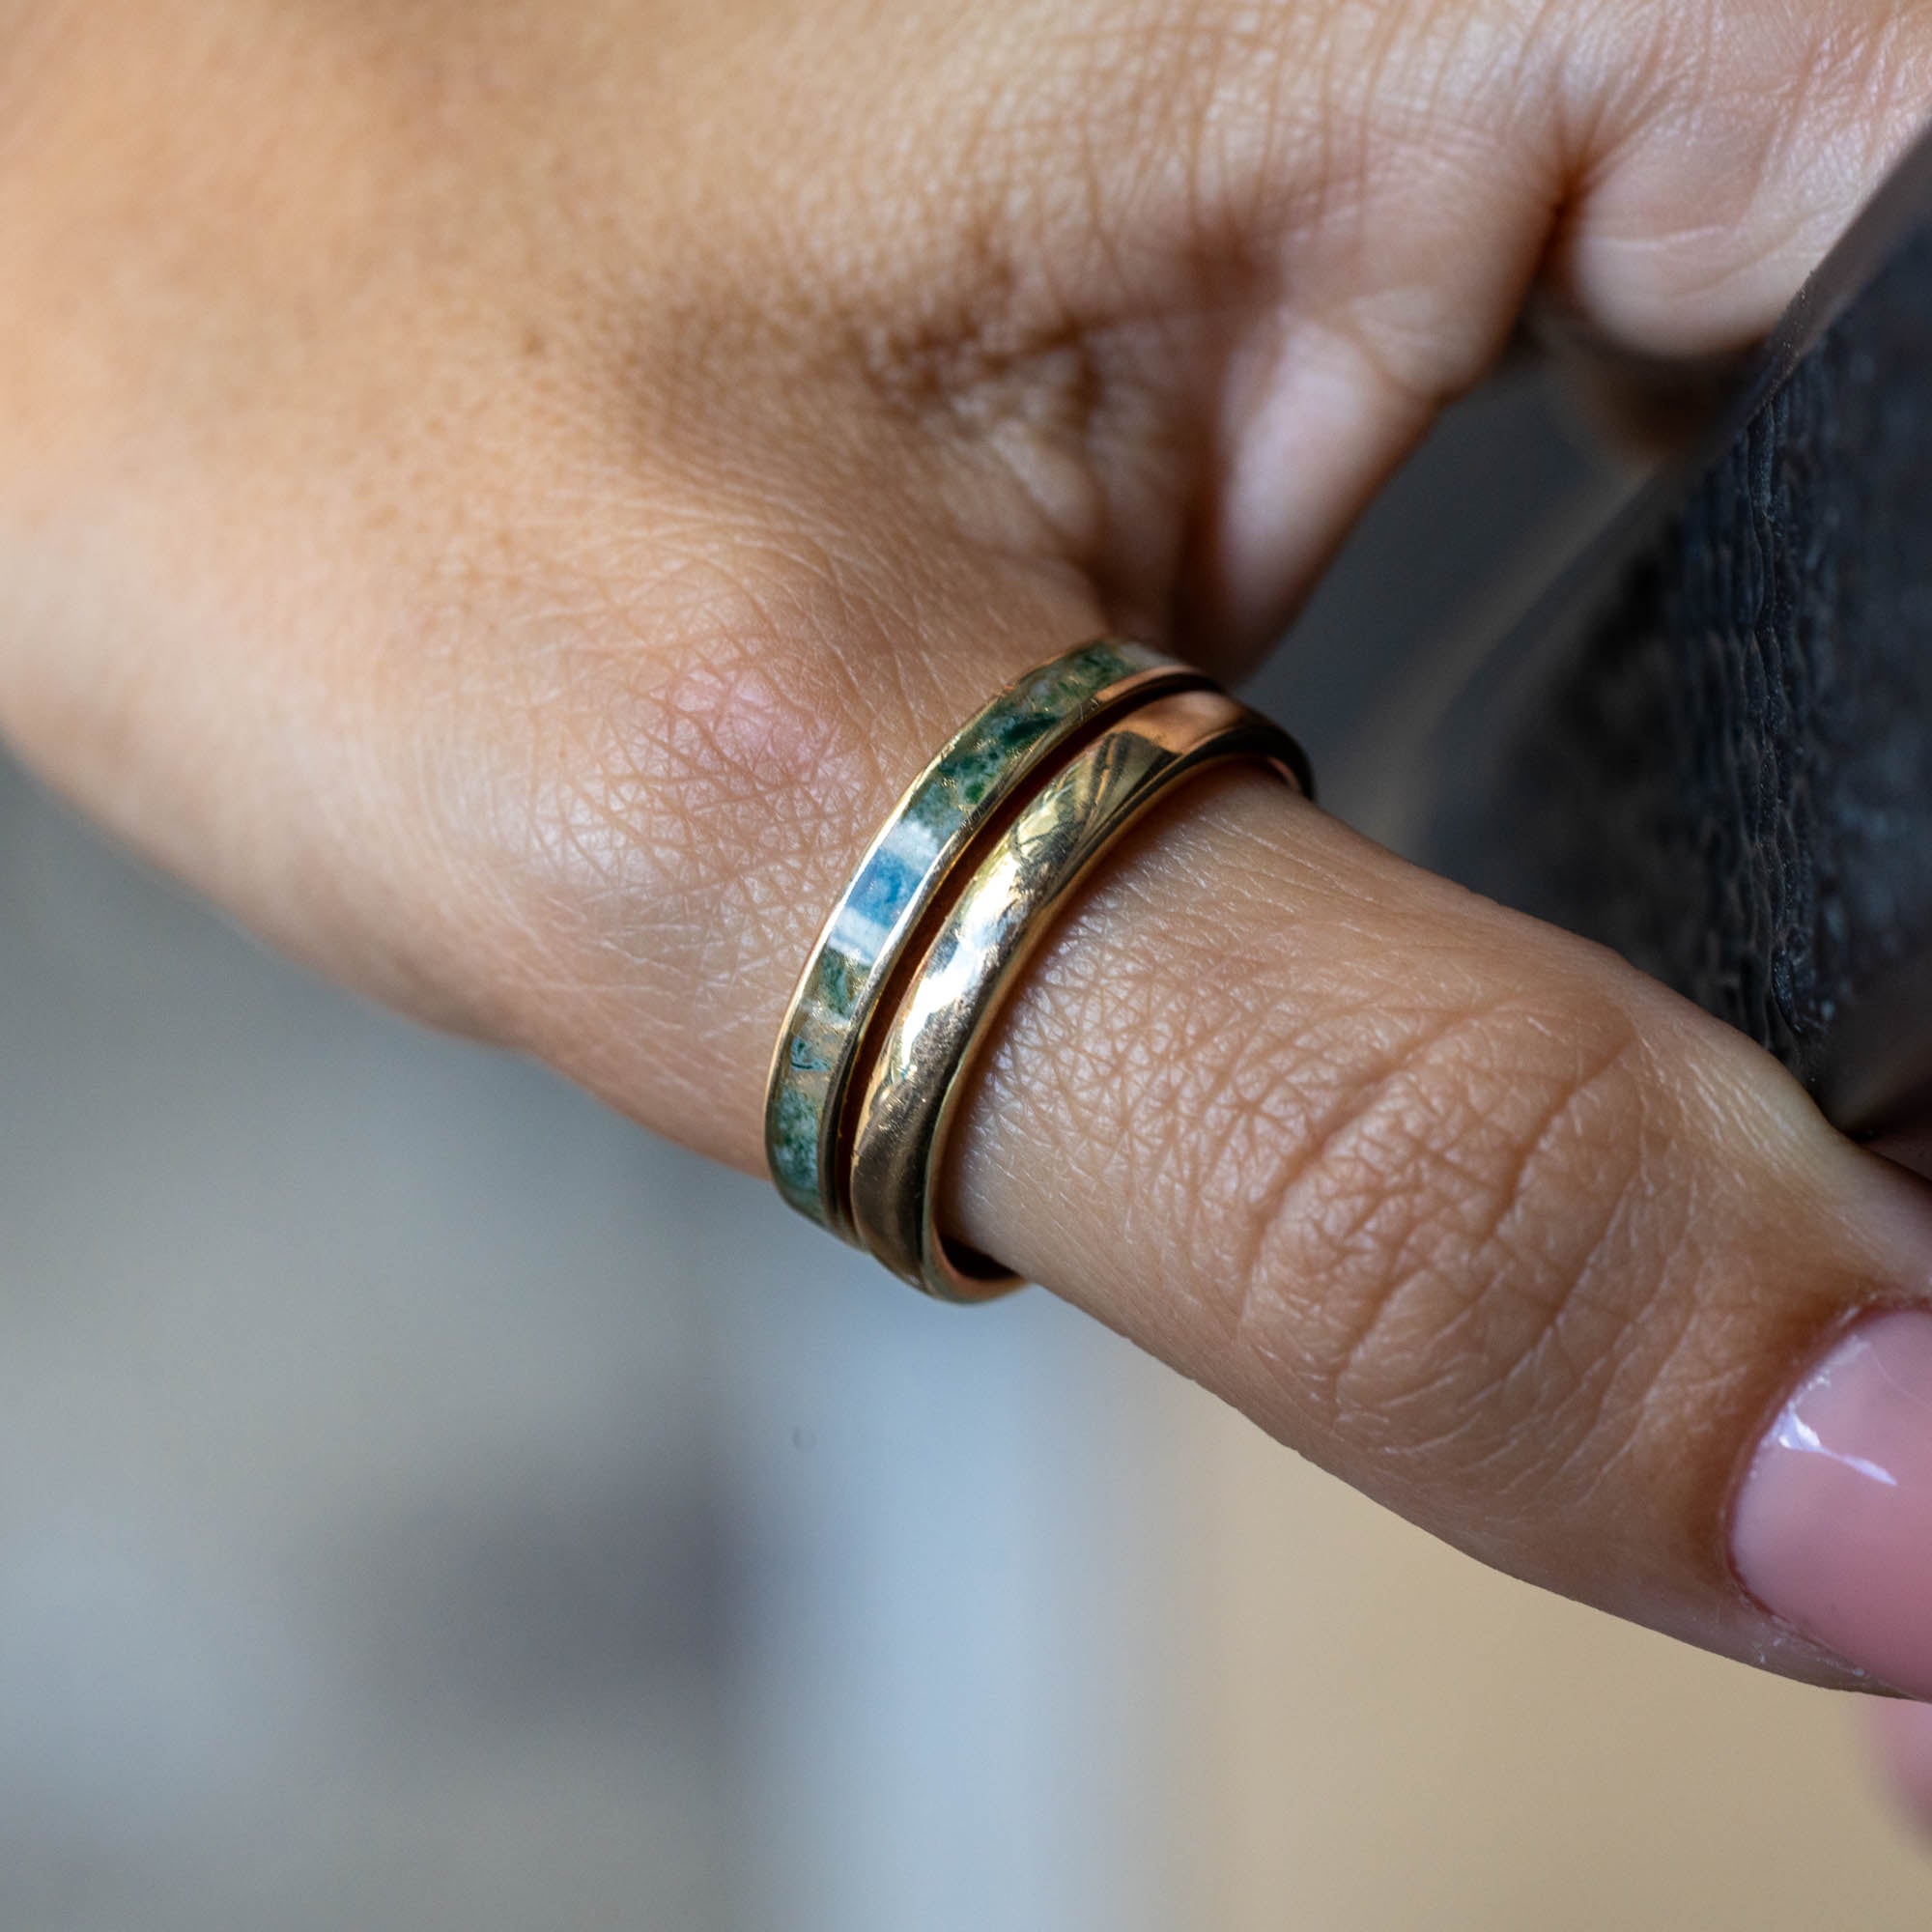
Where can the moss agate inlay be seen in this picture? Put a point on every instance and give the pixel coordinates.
(936, 822)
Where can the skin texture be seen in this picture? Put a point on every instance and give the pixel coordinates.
(503, 494)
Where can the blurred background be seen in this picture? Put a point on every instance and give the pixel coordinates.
(425, 1502)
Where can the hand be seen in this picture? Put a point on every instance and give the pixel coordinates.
(503, 494)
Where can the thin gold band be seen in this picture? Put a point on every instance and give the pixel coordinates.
(913, 1084)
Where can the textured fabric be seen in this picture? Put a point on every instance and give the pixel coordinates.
(1720, 766)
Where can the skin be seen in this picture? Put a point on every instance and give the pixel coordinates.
(503, 494)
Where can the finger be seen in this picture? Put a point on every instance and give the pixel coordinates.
(1662, 179)
(1461, 1207)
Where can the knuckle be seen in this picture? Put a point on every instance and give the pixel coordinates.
(691, 739)
(651, 780)
(1456, 1246)
(686, 743)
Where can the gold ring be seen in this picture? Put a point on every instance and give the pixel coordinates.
(946, 811)
(910, 1089)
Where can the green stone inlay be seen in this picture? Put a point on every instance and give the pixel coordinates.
(949, 805)
(793, 1151)
(839, 981)
(985, 758)
(935, 811)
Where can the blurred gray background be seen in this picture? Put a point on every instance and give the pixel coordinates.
(427, 1502)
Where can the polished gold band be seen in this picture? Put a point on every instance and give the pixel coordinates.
(910, 1089)
(955, 892)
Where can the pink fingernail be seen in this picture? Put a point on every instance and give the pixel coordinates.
(1833, 1529)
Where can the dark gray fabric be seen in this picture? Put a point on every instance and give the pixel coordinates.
(1718, 763)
